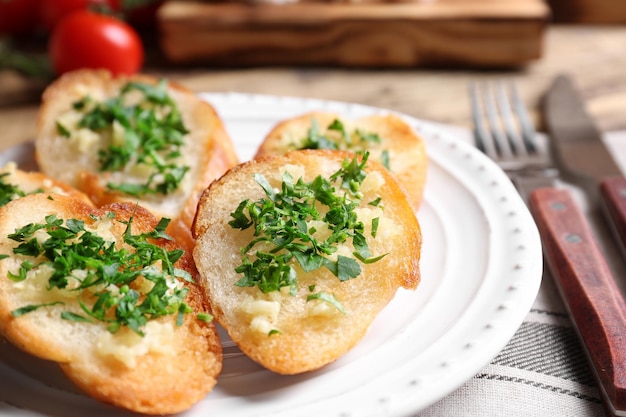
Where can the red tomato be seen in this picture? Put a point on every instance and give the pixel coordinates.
(51, 12)
(89, 40)
(17, 17)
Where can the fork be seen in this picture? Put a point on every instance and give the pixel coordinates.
(503, 131)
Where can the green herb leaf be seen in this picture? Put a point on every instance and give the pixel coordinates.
(240, 221)
(368, 260)
(384, 159)
(339, 127)
(368, 136)
(309, 261)
(329, 298)
(68, 315)
(347, 268)
(22, 272)
(18, 312)
(315, 140)
(375, 222)
(262, 181)
(205, 317)
(268, 272)
(62, 130)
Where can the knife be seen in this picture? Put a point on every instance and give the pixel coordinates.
(588, 289)
(590, 292)
(583, 156)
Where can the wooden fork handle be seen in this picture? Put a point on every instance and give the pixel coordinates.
(587, 286)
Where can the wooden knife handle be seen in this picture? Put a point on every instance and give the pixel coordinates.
(613, 194)
(587, 285)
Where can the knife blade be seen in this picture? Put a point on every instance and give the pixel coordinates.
(582, 155)
(592, 295)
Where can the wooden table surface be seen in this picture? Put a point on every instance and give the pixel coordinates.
(594, 55)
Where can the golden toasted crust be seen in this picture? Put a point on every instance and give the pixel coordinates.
(208, 150)
(407, 154)
(310, 335)
(163, 379)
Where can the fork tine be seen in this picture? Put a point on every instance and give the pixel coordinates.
(484, 140)
(528, 130)
(503, 129)
(501, 140)
(514, 138)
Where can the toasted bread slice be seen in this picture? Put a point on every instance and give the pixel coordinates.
(388, 138)
(168, 369)
(16, 183)
(88, 153)
(308, 319)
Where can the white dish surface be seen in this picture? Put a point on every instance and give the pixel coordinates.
(481, 269)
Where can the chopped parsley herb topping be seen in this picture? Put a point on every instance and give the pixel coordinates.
(337, 136)
(153, 133)
(109, 281)
(329, 298)
(282, 233)
(9, 192)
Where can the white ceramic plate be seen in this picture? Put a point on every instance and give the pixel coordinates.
(481, 268)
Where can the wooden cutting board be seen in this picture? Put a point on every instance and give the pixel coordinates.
(426, 33)
(588, 11)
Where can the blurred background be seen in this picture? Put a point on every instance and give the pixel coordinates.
(414, 56)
